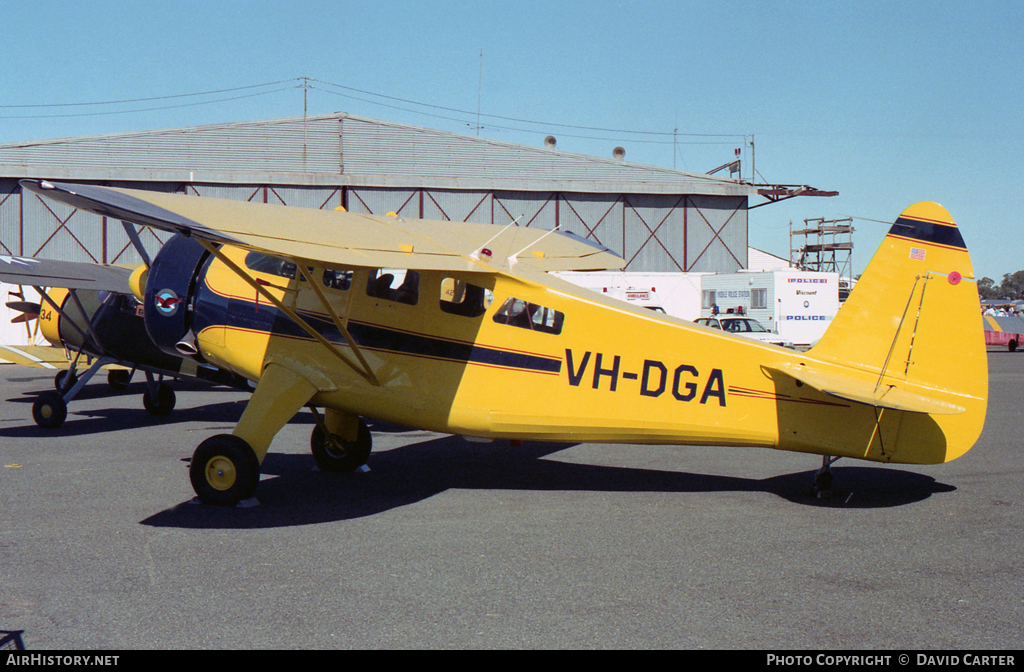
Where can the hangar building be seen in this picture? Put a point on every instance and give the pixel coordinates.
(658, 219)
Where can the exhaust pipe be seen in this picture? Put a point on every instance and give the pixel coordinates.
(187, 345)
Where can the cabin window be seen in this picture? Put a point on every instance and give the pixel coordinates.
(334, 279)
(462, 298)
(264, 263)
(519, 313)
(758, 298)
(394, 284)
(707, 298)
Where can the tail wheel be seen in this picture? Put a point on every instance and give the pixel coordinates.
(49, 410)
(224, 470)
(160, 404)
(341, 455)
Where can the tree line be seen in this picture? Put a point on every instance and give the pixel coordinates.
(1011, 288)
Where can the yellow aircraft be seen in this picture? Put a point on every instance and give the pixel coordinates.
(458, 328)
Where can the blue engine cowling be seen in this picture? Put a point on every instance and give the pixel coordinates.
(170, 293)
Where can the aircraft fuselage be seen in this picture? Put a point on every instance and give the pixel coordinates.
(505, 357)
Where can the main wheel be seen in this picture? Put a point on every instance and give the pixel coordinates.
(49, 410)
(69, 375)
(119, 378)
(224, 470)
(162, 403)
(347, 456)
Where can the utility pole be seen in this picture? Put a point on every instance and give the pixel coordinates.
(305, 90)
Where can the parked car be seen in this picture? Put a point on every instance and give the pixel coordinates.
(744, 326)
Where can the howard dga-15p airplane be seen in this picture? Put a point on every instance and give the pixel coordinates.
(457, 328)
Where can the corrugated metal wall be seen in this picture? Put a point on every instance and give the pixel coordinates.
(653, 232)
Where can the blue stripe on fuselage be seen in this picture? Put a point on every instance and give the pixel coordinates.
(216, 310)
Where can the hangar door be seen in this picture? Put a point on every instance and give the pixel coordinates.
(652, 232)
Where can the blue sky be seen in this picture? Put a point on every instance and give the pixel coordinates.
(888, 103)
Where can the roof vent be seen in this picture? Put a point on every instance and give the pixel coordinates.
(549, 142)
(618, 153)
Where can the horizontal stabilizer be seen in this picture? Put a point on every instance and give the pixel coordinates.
(867, 389)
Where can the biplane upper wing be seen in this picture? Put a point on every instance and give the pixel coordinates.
(67, 274)
(339, 238)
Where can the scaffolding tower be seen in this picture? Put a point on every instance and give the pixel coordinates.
(824, 245)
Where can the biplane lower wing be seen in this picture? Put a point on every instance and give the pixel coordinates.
(64, 274)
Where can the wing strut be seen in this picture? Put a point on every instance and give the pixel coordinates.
(89, 333)
(133, 235)
(364, 370)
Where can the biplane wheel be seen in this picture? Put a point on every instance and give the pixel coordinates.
(58, 380)
(50, 410)
(119, 378)
(162, 404)
(353, 454)
(224, 470)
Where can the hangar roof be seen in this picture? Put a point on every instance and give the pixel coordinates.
(342, 149)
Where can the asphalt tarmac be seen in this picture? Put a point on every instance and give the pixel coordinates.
(445, 543)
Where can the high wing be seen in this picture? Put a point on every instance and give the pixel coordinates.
(339, 238)
(66, 274)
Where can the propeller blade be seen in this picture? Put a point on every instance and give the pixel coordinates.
(25, 306)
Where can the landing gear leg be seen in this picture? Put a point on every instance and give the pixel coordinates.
(226, 468)
(50, 410)
(823, 478)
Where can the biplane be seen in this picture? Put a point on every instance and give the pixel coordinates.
(459, 328)
(90, 312)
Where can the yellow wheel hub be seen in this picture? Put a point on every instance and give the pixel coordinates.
(220, 472)
(46, 411)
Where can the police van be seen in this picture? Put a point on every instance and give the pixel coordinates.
(797, 305)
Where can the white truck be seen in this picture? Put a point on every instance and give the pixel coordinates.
(797, 305)
(677, 294)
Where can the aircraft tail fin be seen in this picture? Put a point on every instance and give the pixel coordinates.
(911, 330)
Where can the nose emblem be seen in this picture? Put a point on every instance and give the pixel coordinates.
(167, 302)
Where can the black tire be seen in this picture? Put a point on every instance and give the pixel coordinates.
(224, 470)
(49, 410)
(352, 456)
(119, 379)
(162, 404)
(58, 380)
(1012, 345)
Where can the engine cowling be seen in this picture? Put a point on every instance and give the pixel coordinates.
(170, 294)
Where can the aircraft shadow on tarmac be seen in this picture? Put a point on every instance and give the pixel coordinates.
(83, 420)
(300, 495)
